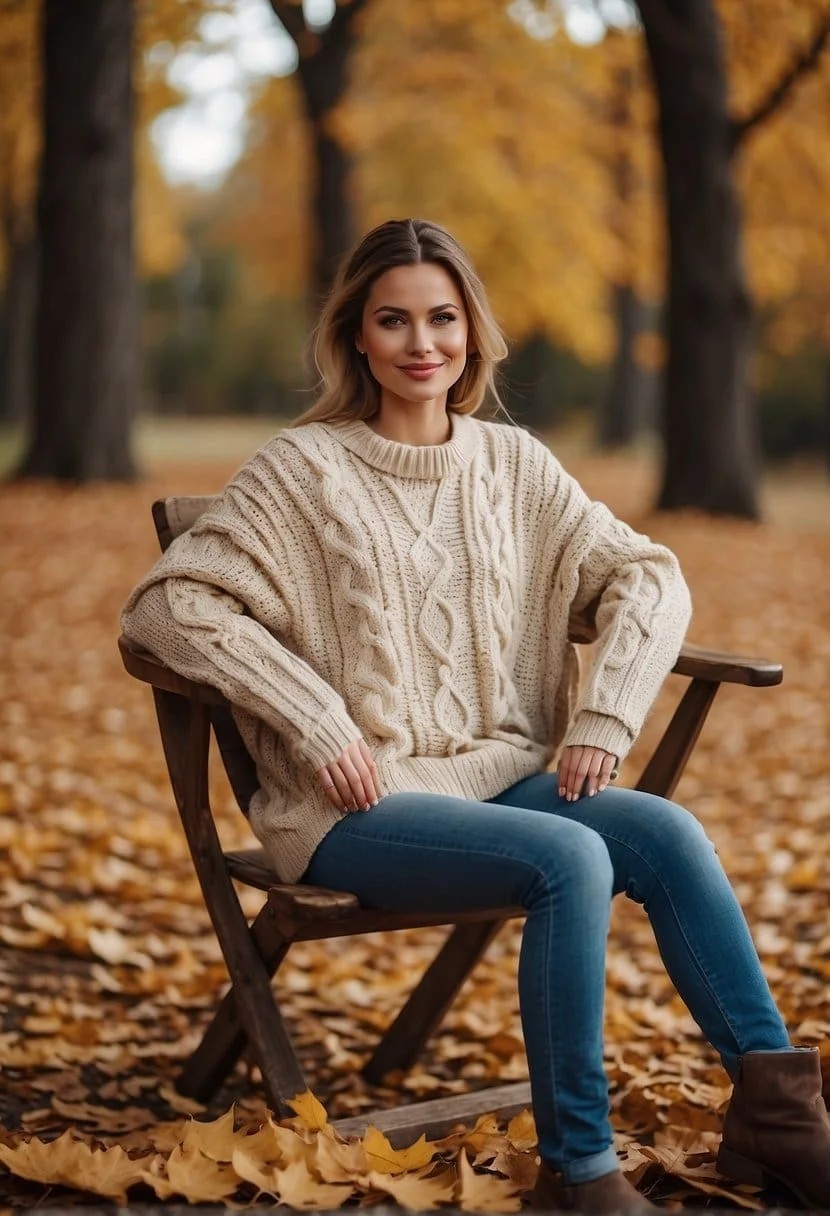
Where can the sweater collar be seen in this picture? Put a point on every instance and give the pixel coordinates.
(408, 459)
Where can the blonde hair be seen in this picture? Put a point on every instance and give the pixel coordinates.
(347, 388)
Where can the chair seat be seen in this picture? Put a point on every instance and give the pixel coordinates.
(307, 908)
(252, 867)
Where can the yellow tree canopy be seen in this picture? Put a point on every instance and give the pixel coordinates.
(784, 165)
(505, 138)
(541, 155)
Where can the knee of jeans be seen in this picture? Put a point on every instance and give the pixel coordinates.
(679, 829)
(674, 843)
(575, 858)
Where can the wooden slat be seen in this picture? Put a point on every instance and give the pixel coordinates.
(436, 1118)
(370, 920)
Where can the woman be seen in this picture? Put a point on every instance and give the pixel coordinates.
(386, 593)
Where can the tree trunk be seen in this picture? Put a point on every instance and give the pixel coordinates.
(628, 405)
(708, 423)
(624, 407)
(324, 76)
(17, 327)
(86, 374)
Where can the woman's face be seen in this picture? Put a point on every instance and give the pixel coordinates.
(414, 334)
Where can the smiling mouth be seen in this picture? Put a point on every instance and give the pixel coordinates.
(420, 367)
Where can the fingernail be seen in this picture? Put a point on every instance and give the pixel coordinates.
(561, 791)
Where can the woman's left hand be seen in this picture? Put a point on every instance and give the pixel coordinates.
(590, 767)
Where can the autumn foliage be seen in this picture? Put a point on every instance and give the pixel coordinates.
(109, 968)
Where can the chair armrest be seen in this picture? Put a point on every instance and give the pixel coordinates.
(146, 667)
(723, 668)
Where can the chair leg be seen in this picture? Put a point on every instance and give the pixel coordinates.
(665, 768)
(430, 1000)
(185, 733)
(225, 1040)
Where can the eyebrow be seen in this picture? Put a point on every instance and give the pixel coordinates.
(403, 312)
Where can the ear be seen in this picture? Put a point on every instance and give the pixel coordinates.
(358, 341)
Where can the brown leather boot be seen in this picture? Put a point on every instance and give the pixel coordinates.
(777, 1128)
(601, 1197)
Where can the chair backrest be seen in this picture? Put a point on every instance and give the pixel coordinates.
(172, 516)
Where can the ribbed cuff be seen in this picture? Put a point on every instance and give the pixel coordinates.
(599, 730)
(334, 732)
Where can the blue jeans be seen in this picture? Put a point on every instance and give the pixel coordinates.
(563, 862)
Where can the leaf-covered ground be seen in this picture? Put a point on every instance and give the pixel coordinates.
(108, 966)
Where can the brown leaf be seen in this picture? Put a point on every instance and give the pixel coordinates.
(415, 1192)
(194, 1176)
(67, 1160)
(485, 1192)
(384, 1159)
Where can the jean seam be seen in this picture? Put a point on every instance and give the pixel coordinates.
(708, 982)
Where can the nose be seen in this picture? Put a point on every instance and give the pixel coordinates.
(420, 341)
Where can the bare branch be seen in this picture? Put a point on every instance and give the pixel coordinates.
(778, 94)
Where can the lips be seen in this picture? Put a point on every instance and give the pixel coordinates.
(420, 367)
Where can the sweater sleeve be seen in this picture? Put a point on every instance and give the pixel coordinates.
(628, 594)
(210, 612)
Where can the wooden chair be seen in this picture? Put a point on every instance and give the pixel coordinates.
(249, 1015)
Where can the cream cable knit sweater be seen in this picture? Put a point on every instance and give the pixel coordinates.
(346, 585)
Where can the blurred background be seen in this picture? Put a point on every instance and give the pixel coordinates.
(643, 188)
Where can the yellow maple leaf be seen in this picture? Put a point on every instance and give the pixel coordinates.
(298, 1188)
(194, 1176)
(310, 1111)
(414, 1192)
(337, 1160)
(277, 1144)
(485, 1136)
(485, 1192)
(71, 1162)
(216, 1139)
(521, 1130)
(385, 1159)
(251, 1168)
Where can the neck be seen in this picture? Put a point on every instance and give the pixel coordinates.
(422, 429)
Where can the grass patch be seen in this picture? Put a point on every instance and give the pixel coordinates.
(159, 441)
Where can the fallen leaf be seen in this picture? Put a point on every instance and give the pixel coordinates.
(415, 1193)
(485, 1192)
(194, 1176)
(384, 1159)
(310, 1111)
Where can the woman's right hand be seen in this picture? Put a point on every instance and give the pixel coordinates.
(351, 781)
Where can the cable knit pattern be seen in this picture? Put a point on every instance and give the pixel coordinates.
(425, 599)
